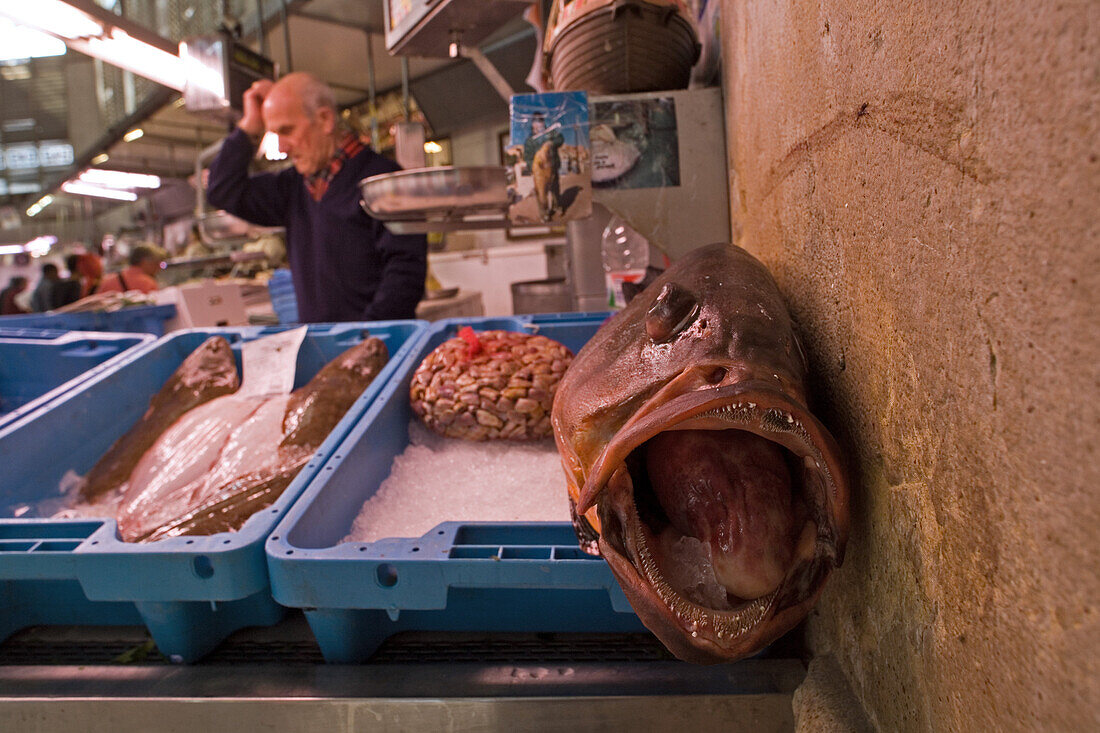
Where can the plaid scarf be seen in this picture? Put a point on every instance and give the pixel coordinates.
(348, 148)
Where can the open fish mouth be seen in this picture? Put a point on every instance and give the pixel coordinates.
(721, 512)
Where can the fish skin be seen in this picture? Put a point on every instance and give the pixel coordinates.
(229, 507)
(315, 408)
(311, 413)
(709, 345)
(208, 372)
(192, 457)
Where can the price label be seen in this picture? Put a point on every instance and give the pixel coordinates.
(269, 364)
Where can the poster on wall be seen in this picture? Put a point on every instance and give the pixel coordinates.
(635, 143)
(549, 175)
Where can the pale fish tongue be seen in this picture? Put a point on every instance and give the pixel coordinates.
(731, 490)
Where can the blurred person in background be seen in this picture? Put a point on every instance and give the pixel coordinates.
(46, 293)
(145, 262)
(196, 247)
(8, 306)
(68, 289)
(88, 269)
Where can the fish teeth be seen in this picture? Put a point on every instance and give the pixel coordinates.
(735, 412)
(777, 420)
(696, 618)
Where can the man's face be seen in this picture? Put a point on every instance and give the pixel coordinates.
(306, 140)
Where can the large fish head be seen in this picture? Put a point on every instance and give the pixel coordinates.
(694, 466)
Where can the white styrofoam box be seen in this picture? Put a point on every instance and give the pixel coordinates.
(205, 304)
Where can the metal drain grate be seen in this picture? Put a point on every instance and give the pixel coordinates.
(291, 643)
(39, 647)
(38, 651)
(520, 648)
(265, 652)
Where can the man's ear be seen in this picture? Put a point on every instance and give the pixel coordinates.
(327, 117)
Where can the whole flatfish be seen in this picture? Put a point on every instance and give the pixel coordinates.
(695, 467)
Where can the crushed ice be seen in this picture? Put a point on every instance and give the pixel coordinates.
(439, 479)
(66, 502)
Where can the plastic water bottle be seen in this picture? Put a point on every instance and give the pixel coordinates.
(625, 258)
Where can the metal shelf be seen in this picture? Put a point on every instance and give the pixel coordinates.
(274, 678)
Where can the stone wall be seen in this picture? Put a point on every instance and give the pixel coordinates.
(923, 179)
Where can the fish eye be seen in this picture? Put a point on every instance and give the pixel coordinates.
(672, 311)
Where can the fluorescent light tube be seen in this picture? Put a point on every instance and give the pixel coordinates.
(52, 16)
(88, 28)
(87, 189)
(38, 205)
(143, 59)
(19, 42)
(39, 246)
(119, 179)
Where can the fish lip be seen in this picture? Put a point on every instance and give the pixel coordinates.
(754, 406)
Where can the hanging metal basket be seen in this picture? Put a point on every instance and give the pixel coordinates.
(620, 46)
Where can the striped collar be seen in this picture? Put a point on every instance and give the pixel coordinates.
(350, 146)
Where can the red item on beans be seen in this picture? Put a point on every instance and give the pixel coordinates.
(467, 334)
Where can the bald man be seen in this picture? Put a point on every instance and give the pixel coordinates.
(345, 265)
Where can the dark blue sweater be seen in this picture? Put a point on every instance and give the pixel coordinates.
(345, 265)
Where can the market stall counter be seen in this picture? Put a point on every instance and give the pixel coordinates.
(465, 624)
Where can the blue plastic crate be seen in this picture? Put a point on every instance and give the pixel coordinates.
(37, 366)
(135, 319)
(191, 592)
(489, 576)
(284, 301)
